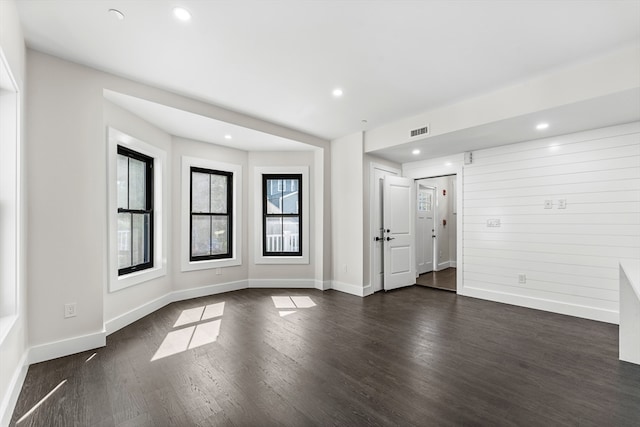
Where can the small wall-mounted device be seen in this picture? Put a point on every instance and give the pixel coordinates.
(468, 157)
(444, 222)
(444, 192)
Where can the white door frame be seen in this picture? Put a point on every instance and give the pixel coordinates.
(427, 171)
(372, 189)
(433, 231)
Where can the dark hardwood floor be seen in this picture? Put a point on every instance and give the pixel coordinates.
(443, 279)
(415, 356)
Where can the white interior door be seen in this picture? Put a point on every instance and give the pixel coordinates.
(399, 235)
(377, 277)
(425, 227)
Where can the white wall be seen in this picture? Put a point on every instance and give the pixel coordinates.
(183, 280)
(13, 348)
(122, 301)
(570, 256)
(347, 214)
(292, 274)
(68, 248)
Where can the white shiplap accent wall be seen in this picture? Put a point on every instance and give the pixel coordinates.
(570, 256)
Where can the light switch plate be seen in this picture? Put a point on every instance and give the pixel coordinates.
(562, 204)
(548, 204)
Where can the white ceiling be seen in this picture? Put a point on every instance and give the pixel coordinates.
(618, 108)
(200, 128)
(279, 60)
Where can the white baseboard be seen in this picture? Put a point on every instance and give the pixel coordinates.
(584, 312)
(453, 264)
(204, 291)
(348, 288)
(367, 290)
(443, 265)
(53, 350)
(119, 322)
(323, 285)
(282, 283)
(13, 390)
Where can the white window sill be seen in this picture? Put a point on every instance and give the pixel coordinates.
(210, 263)
(282, 260)
(6, 324)
(137, 277)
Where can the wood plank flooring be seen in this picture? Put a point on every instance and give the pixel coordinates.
(411, 357)
(443, 279)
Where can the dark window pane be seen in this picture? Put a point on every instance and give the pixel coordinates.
(291, 234)
(200, 192)
(219, 194)
(137, 184)
(200, 235)
(220, 235)
(123, 181)
(124, 240)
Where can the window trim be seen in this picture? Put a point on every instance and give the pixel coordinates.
(282, 177)
(149, 199)
(229, 215)
(259, 257)
(160, 203)
(185, 217)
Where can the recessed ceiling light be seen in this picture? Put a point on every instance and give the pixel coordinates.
(415, 152)
(227, 136)
(115, 12)
(337, 92)
(181, 13)
(542, 126)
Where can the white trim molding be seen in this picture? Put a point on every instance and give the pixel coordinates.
(236, 225)
(348, 288)
(10, 398)
(53, 350)
(160, 209)
(575, 310)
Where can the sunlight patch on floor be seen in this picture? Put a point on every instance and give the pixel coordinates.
(284, 304)
(193, 336)
(32, 410)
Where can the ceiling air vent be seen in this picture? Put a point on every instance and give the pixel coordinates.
(420, 132)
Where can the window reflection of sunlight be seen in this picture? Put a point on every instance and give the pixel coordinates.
(205, 333)
(213, 310)
(286, 312)
(294, 301)
(283, 302)
(32, 410)
(192, 336)
(191, 315)
(90, 357)
(175, 342)
(303, 302)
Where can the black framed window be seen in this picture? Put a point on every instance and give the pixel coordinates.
(282, 215)
(211, 214)
(135, 211)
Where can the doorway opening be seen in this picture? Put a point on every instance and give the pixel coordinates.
(436, 232)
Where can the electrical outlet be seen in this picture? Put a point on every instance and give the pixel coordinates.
(70, 310)
(522, 278)
(218, 271)
(548, 204)
(562, 204)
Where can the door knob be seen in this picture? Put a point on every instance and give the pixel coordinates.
(390, 238)
(377, 239)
